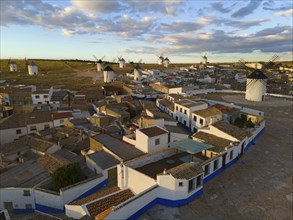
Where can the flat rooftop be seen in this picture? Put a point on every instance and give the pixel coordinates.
(152, 169)
(122, 149)
(190, 146)
(189, 103)
(28, 174)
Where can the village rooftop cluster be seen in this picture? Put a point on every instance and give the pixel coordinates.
(141, 138)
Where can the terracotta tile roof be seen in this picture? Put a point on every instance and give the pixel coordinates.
(23, 119)
(207, 112)
(153, 131)
(52, 162)
(232, 130)
(99, 194)
(61, 115)
(104, 204)
(219, 144)
(39, 144)
(185, 171)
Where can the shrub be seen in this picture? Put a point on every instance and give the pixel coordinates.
(67, 175)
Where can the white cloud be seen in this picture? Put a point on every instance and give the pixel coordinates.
(106, 6)
(286, 13)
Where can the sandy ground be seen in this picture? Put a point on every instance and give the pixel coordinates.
(96, 76)
(259, 185)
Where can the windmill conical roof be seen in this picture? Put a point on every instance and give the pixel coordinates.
(257, 74)
(32, 63)
(108, 68)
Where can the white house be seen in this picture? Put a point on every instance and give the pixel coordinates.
(42, 96)
(17, 125)
(183, 109)
(204, 117)
(230, 132)
(32, 69)
(60, 117)
(149, 139)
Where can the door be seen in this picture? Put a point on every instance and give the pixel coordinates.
(224, 160)
(8, 206)
(112, 175)
(242, 149)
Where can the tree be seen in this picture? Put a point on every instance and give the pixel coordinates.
(67, 175)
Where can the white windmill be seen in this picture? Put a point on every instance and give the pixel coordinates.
(204, 60)
(12, 65)
(166, 62)
(256, 86)
(256, 82)
(121, 62)
(108, 74)
(160, 60)
(32, 68)
(137, 72)
(99, 63)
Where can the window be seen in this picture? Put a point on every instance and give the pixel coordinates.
(180, 184)
(46, 126)
(46, 96)
(176, 108)
(198, 181)
(185, 112)
(216, 164)
(180, 109)
(191, 185)
(33, 128)
(201, 121)
(37, 96)
(18, 131)
(28, 206)
(194, 118)
(207, 170)
(157, 141)
(231, 154)
(26, 193)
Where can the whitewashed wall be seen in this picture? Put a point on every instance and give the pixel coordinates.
(134, 180)
(48, 199)
(9, 135)
(16, 195)
(69, 194)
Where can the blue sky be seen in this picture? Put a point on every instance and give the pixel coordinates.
(182, 30)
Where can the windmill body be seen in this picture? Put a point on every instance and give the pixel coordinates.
(12, 66)
(256, 85)
(108, 74)
(100, 65)
(204, 60)
(32, 69)
(160, 60)
(137, 74)
(166, 62)
(121, 63)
